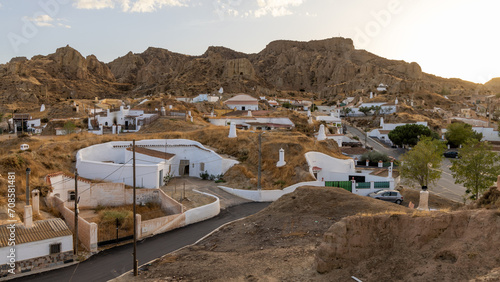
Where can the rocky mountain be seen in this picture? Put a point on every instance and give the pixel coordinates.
(327, 67)
(66, 74)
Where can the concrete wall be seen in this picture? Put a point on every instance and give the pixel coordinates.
(87, 232)
(269, 195)
(109, 194)
(161, 224)
(204, 212)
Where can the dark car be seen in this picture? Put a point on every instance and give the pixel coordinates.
(451, 154)
(388, 195)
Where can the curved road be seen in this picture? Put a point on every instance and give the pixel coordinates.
(113, 262)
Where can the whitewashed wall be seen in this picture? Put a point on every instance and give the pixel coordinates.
(104, 162)
(268, 195)
(36, 249)
(204, 212)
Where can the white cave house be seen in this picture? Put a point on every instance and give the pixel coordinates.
(155, 159)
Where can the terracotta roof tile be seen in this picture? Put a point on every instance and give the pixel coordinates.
(41, 230)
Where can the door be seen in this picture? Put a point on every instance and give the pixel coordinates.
(161, 178)
(184, 167)
(126, 125)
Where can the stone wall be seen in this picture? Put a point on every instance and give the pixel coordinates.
(38, 263)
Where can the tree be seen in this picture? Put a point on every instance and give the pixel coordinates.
(69, 127)
(346, 111)
(477, 168)
(376, 109)
(418, 165)
(409, 134)
(458, 132)
(365, 110)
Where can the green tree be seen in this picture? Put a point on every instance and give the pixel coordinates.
(409, 134)
(418, 165)
(458, 132)
(346, 111)
(365, 110)
(477, 168)
(376, 109)
(69, 127)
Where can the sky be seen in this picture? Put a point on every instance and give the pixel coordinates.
(448, 38)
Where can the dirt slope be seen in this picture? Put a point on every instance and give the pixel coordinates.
(277, 244)
(455, 246)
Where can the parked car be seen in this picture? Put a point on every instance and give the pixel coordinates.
(451, 154)
(388, 195)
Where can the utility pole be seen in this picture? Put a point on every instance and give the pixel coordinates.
(75, 250)
(28, 170)
(260, 162)
(135, 225)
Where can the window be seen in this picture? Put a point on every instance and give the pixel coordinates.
(55, 248)
(71, 195)
(202, 166)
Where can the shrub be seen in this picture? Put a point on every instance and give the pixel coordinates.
(204, 175)
(374, 156)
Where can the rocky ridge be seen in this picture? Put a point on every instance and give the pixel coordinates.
(328, 68)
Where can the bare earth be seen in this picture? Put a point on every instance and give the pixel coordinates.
(277, 244)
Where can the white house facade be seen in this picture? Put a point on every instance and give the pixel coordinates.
(243, 102)
(328, 168)
(155, 159)
(383, 132)
(128, 119)
(255, 123)
(47, 243)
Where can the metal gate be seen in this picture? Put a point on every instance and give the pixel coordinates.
(347, 185)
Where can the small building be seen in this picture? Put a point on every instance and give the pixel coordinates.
(381, 87)
(205, 98)
(254, 123)
(243, 102)
(25, 123)
(383, 132)
(130, 120)
(47, 243)
(332, 119)
(327, 168)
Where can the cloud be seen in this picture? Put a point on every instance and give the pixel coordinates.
(42, 20)
(47, 21)
(133, 6)
(94, 4)
(63, 25)
(277, 8)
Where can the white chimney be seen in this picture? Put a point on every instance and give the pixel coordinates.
(249, 113)
(321, 133)
(232, 130)
(281, 161)
(36, 201)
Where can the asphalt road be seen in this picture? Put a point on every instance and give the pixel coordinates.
(113, 262)
(444, 187)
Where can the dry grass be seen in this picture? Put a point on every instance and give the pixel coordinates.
(107, 217)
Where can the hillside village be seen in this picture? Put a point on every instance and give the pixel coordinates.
(230, 129)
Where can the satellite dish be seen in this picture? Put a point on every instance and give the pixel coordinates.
(221, 90)
(429, 165)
